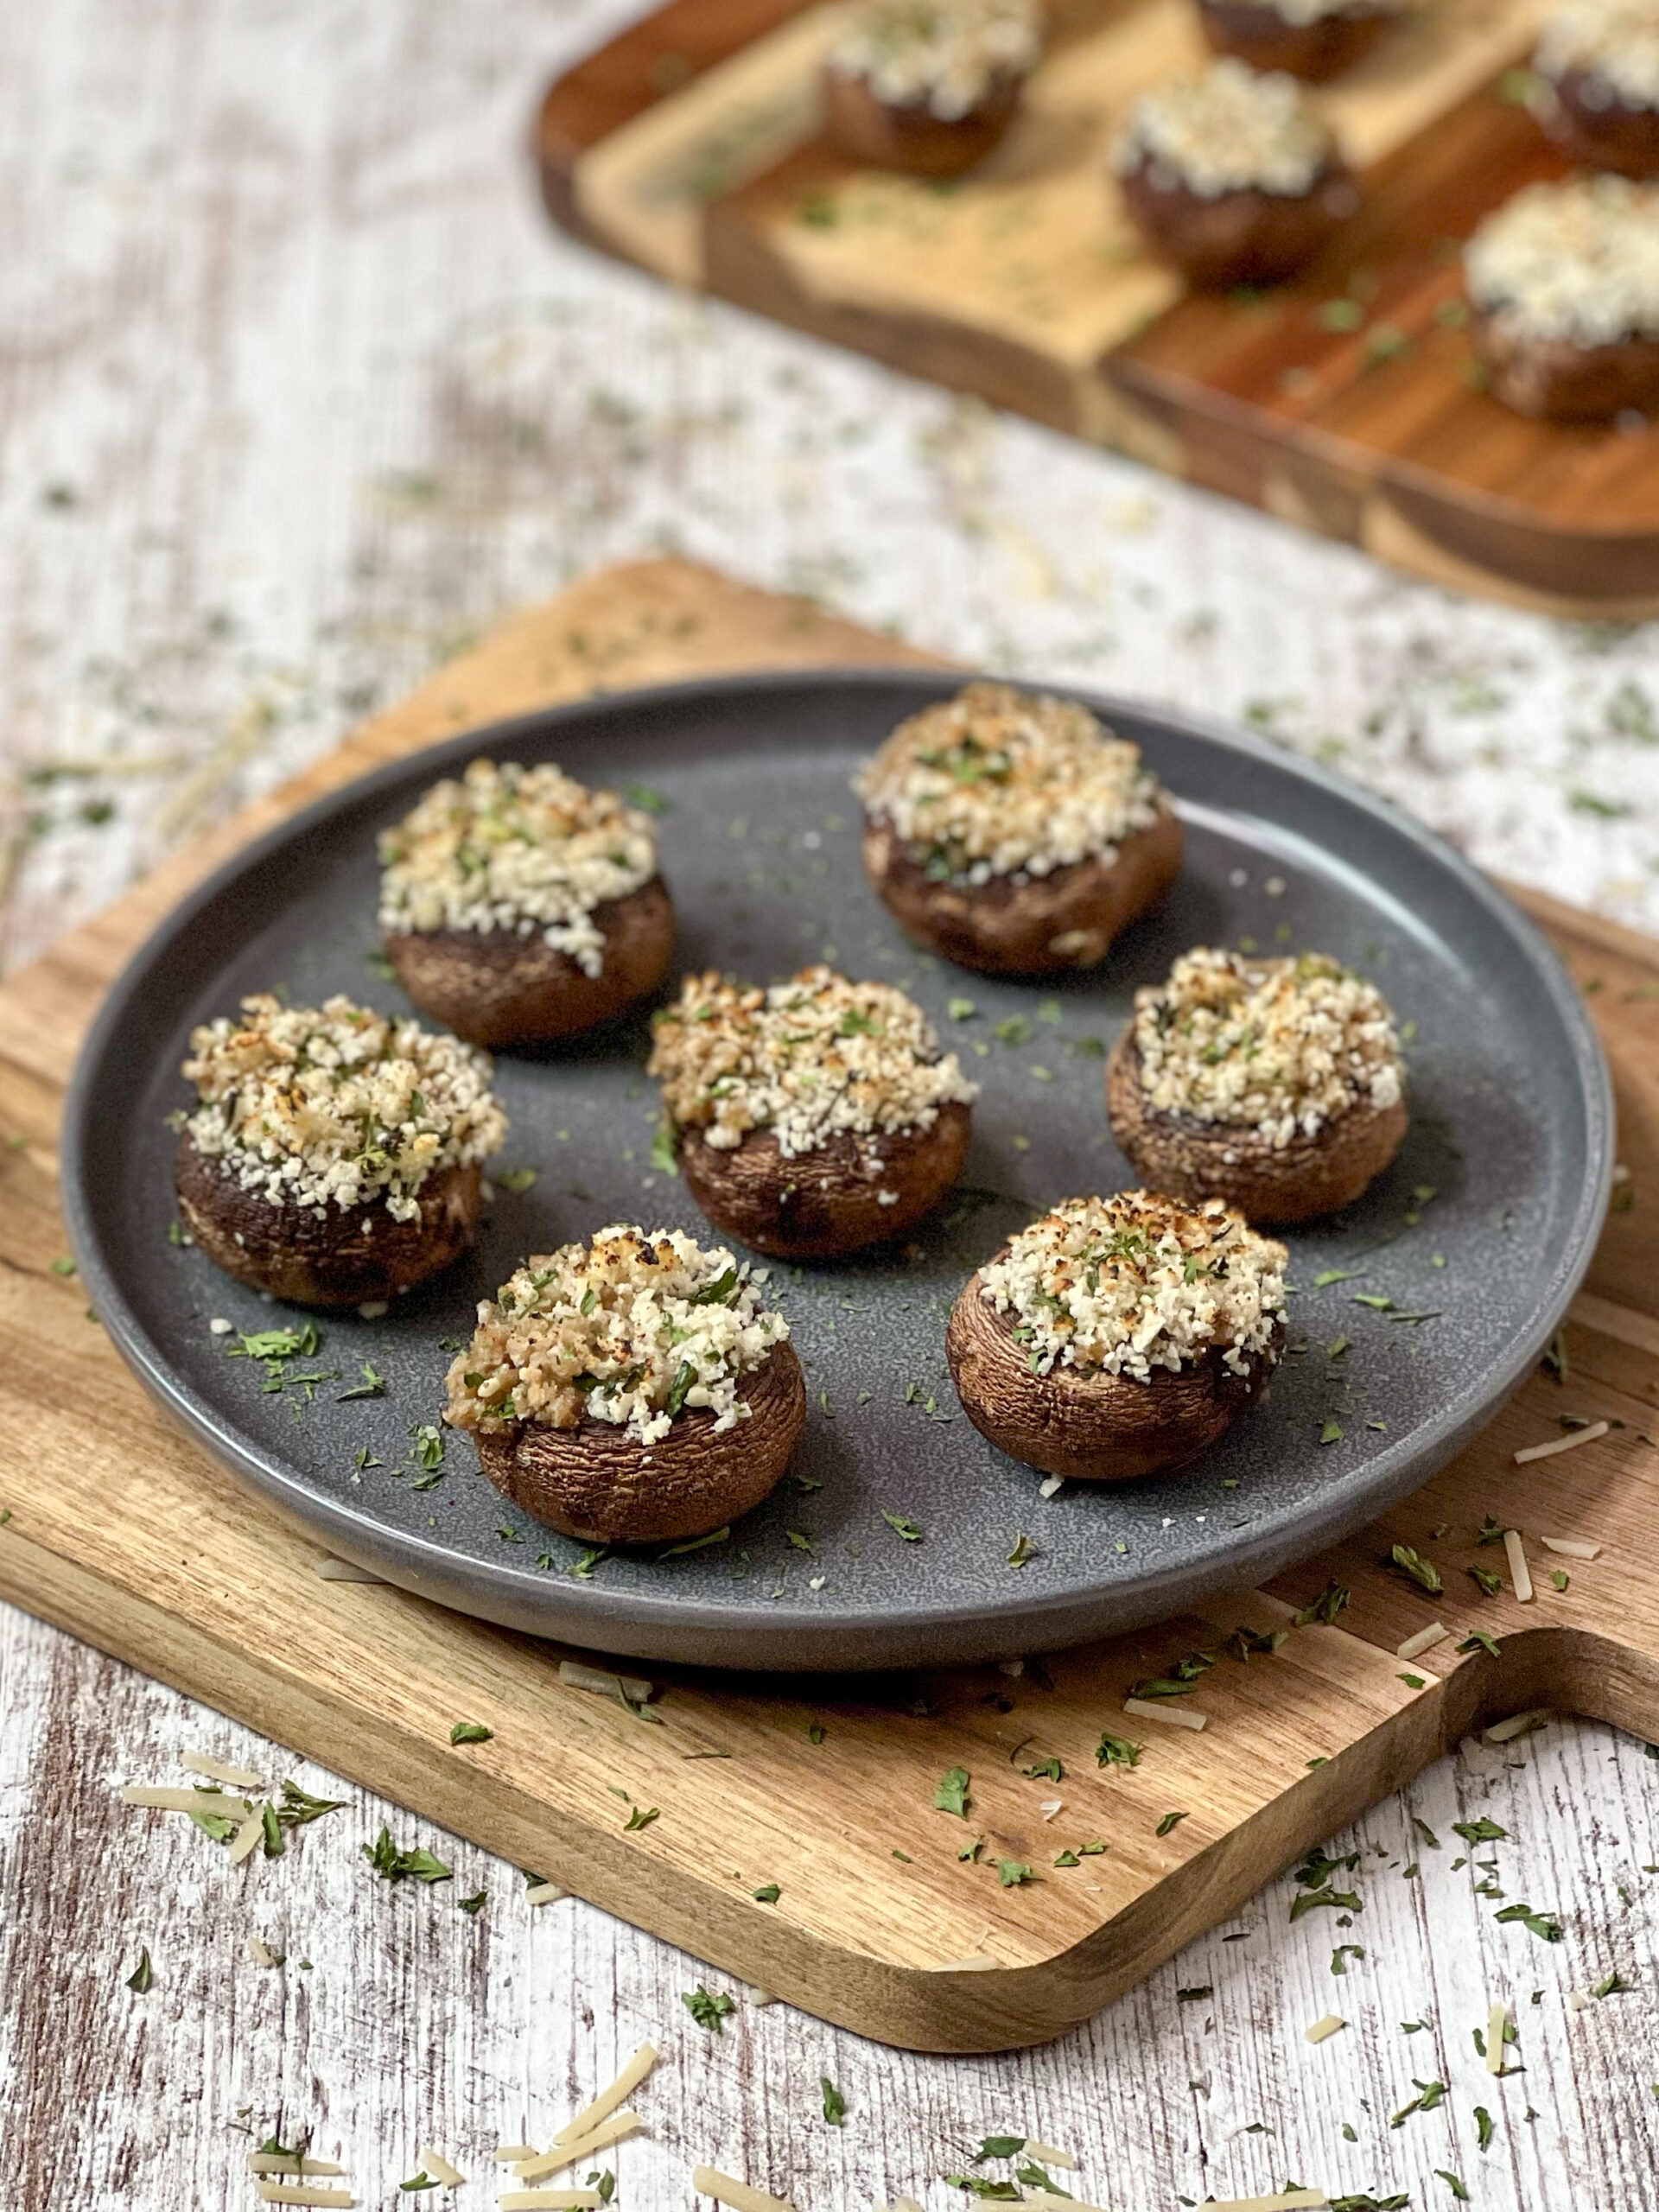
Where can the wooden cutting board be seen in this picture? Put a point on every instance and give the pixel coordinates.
(1345, 401)
(119, 1530)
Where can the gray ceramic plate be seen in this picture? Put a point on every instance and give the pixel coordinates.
(1511, 1132)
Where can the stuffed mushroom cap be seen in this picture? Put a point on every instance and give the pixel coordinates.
(632, 1390)
(517, 905)
(334, 1155)
(1115, 1336)
(951, 58)
(1015, 833)
(1276, 1085)
(812, 1118)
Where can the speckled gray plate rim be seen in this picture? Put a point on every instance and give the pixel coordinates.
(1511, 1136)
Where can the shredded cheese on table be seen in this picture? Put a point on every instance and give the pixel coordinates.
(1518, 1723)
(234, 1777)
(545, 1893)
(1281, 1048)
(274, 2192)
(741, 2196)
(1498, 2021)
(1126, 1284)
(439, 2168)
(1322, 2031)
(634, 1688)
(1561, 1443)
(1571, 1547)
(813, 1058)
(1287, 2200)
(245, 1841)
(510, 848)
(946, 55)
(1046, 2155)
(630, 1330)
(548, 2200)
(1520, 1574)
(998, 782)
(274, 2162)
(1173, 1716)
(338, 1105)
(1425, 1640)
(186, 1801)
(602, 2106)
(568, 2150)
(1230, 130)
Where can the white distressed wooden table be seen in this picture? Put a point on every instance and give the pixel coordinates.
(297, 392)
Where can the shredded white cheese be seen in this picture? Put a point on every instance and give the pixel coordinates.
(1518, 1723)
(277, 2192)
(946, 55)
(1286, 2200)
(635, 1687)
(567, 2151)
(1126, 1284)
(601, 2107)
(245, 1841)
(1425, 1640)
(1172, 1715)
(261, 1954)
(741, 2196)
(186, 1801)
(509, 848)
(631, 1330)
(1576, 261)
(1497, 2022)
(271, 2162)
(548, 2200)
(1568, 1443)
(435, 2164)
(1571, 1547)
(1520, 1574)
(813, 1058)
(1282, 1048)
(997, 782)
(545, 1893)
(210, 1770)
(1046, 2155)
(338, 1105)
(1230, 130)
(1322, 2031)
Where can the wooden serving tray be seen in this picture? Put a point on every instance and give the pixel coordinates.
(690, 144)
(119, 1530)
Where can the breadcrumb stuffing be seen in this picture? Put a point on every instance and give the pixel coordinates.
(631, 1329)
(1280, 1047)
(1000, 781)
(1613, 43)
(338, 1105)
(1303, 12)
(1578, 260)
(1125, 1284)
(812, 1059)
(511, 847)
(947, 56)
(1230, 130)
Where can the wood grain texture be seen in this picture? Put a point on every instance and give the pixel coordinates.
(371, 1680)
(1024, 284)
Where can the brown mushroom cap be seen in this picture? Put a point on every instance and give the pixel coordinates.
(823, 1203)
(496, 987)
(1257, 33)
(1559, 381)
(329, 1254)
(1194, 1161)
(1244, 237)
(1034, 925)
(1092, 1427)
(910, 138)
(1608, 136)
(601, 1484)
